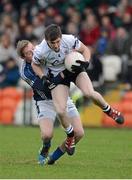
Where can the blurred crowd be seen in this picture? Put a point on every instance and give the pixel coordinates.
(104, 26)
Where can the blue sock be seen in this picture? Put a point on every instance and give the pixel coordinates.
(57, 154)
(47, 144)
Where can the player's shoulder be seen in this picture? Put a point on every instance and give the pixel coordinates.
(67, 40)
(70, 40)
(42, 48)
(66, 37)
(23, 66)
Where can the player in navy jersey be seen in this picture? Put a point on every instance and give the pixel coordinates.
(45, 108)
(52, 52)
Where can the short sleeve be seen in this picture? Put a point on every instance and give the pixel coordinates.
(74, 42)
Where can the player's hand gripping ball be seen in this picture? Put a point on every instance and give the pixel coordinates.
(74, 59)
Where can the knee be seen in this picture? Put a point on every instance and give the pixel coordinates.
(89, 94)
(60, 109)
(79, 135)
(46, 136)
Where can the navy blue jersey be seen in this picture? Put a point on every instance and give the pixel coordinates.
(40, 92)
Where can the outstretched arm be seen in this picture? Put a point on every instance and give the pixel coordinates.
(40, 73)
(37, 69)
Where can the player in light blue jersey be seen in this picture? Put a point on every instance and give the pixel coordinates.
(45, 107)
(52, 52)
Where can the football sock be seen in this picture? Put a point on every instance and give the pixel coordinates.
(69, 131)
(107, 109)
(57, 154)
(45, 148)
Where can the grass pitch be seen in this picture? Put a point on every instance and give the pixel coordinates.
(102, 154)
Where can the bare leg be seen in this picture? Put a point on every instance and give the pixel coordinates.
(79, 133)
(60, 96)
(84, 83)
(46, 129)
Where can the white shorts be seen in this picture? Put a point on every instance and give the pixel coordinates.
(45, 109)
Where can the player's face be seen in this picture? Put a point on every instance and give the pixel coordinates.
(55, 45)
(28, 52)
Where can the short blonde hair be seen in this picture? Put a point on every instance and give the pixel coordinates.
(20, 46)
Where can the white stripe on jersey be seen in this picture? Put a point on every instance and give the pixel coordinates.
(23, 76)
(55, 60)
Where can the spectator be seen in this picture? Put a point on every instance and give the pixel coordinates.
(22, 23)
(59, 20)
(72, 28)
(102, 43)
(124, 6)
(7, 50)
(10, 27)
(28, 34)
(90, 32)
(127, 21)
(38, 22)
(10, 74)
(117, 46)
(8, 9)
(106, 25)
(50, 13)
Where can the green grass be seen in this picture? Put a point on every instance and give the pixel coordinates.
(102, 154)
